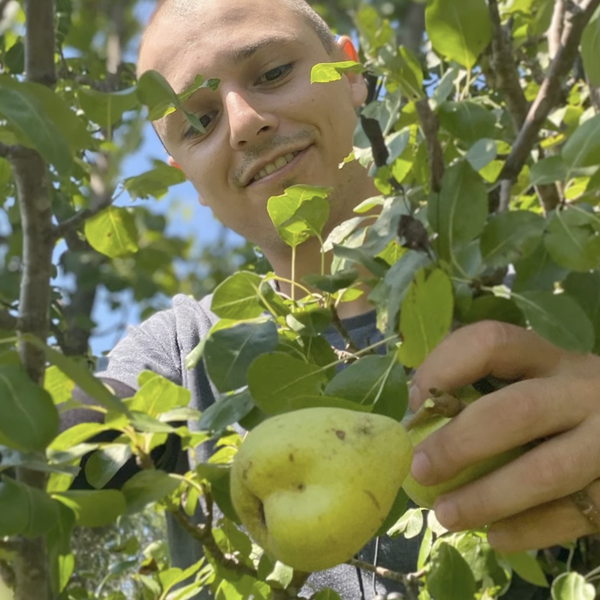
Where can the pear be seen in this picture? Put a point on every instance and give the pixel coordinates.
(425, 495)
(313, 486)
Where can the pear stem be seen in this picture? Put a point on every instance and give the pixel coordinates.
(441, 404)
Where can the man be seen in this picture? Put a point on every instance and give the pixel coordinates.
(266, 128)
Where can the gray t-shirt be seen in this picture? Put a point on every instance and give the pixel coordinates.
(161, 344)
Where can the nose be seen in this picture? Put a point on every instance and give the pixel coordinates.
(249, 122)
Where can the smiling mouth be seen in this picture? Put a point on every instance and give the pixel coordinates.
(271, 168)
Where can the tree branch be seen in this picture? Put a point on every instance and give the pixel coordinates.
(33, 196)
(203, 534)
(576, 18)
(505, 70)
(39, 43)
(556, 28)
(409, 581)
(430, 126)
(7, 322)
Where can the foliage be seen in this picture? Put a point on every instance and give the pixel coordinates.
(469, 187)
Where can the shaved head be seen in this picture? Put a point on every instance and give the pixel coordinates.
(185, 9)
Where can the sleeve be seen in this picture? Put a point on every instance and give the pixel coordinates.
(151, 346)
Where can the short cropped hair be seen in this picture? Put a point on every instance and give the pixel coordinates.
(183, 7)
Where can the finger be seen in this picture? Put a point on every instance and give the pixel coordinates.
(556, 468)
(485, 348)
(553, 523)
(509, 418)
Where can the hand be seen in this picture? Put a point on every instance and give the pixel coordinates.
(526, 503)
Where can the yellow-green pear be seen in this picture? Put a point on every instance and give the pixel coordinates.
(425, 495)
(314, 485)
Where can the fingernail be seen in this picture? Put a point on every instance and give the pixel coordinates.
(446, 513)
(421, 467)
(414, 396)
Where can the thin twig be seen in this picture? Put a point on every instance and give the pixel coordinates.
(430, 127)
(506, 70)
(351, 347)
(409, 581)
(203, 534)
(550, 91)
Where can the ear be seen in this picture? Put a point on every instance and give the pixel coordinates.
(358, 87)
(171, 162)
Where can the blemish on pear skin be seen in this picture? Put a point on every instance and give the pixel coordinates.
(300, 487)
(371, 495)
(291, 457)
(341, 434)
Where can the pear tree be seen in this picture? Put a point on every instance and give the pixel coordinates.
(482, 140)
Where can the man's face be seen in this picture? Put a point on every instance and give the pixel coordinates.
(267, 126)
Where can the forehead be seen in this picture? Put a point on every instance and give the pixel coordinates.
(213, 33)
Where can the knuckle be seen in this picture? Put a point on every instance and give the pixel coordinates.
(551, 473)
(491, 333)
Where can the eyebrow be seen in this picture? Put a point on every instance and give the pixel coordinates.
(246, 52)
(235, 56)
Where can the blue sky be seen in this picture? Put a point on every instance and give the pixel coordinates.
(184, 214)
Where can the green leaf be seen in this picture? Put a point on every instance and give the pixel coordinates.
(45, 120)
(573, 239)
(28, 417)
(76, 435)
(237, 297)
(58, 385)
(105, 463)
(557, 318)
(459, 211)
(527, 568)
(394, 287)
(299, 213)
(326, 594)
(80, 375)
(582, 149)
(229, 352)
(154, 183)
(290, 404)
(25, 510)
(548, 170)
(378, 380)
(112, 232)
(155, 92)
(332, 283)
(458, 30)
(584, 288)
(509, 236)
(226, 411)
(481, 153)
(326, 72)
(450, 577)
(408, 74)
(425, 316)
(60, 557)
(311, 322)
(146, 488)
(496, 309)
(157, 396)
(572, 586)
(275, 378)
(590, 50)
(467, 121)
(93, 508)
(410, 524)
(396, 512)
(106, 108)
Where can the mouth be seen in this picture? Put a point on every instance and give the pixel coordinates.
(279, 166)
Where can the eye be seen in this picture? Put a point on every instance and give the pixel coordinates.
(193, 131)
(275, 74)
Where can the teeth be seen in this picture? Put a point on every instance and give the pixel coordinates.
(274, 166)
